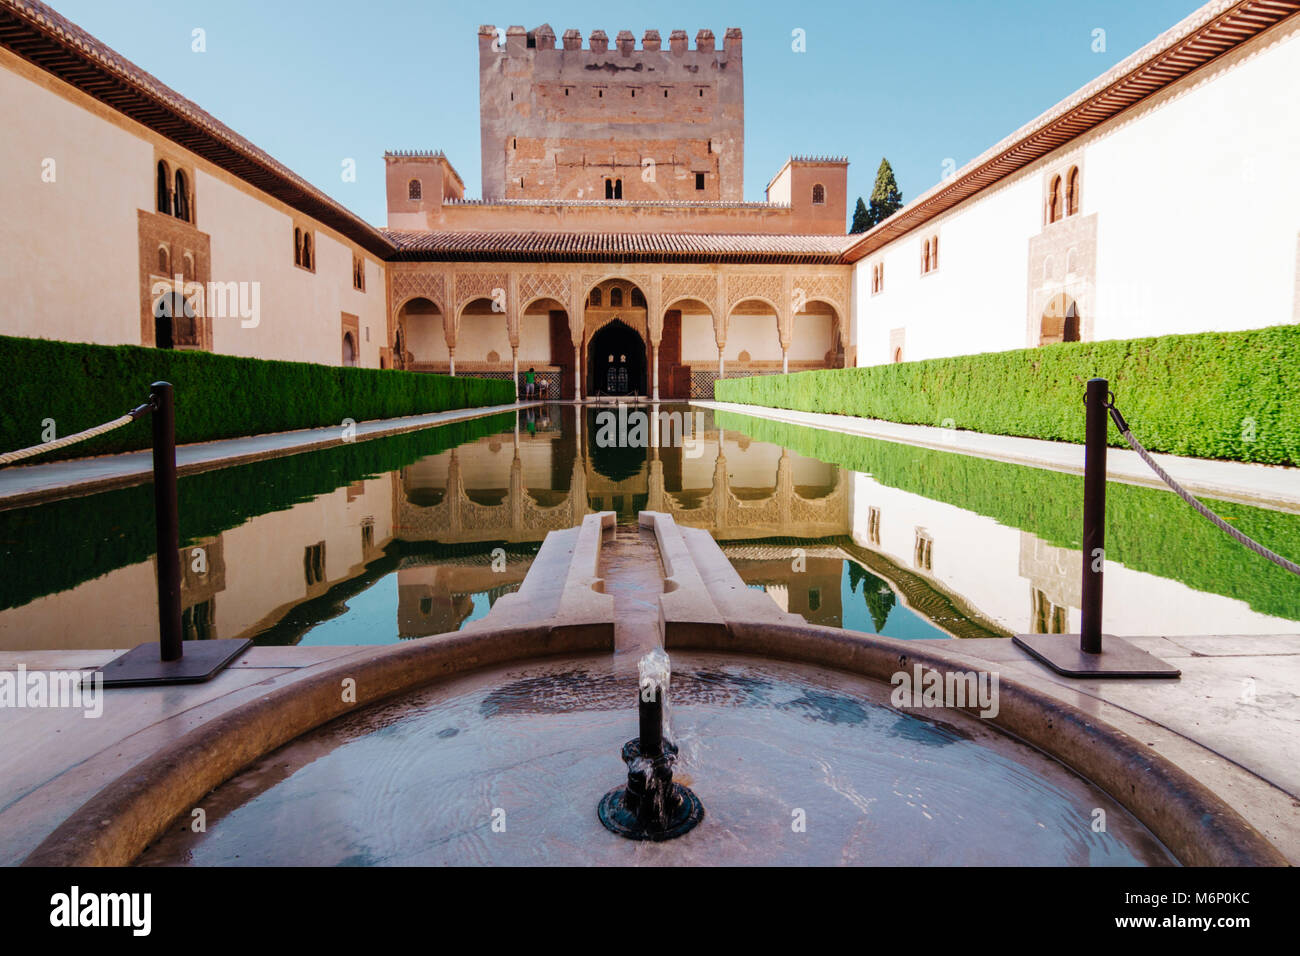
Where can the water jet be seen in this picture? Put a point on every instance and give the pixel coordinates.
(650, 806)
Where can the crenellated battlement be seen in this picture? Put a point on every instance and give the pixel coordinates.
(605, 116)
(516, 39)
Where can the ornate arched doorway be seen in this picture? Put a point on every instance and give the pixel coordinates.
(616, 361)
(1060, 321)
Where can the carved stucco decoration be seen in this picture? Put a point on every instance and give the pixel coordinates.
(478, 285)
(831, 289)
(544, 285)
(703, 288)
(751, 285)
(430, 285)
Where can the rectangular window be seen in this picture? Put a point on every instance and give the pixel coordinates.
(921, 556)
(699, 180)
(313, 563)
(304, 248)
(359, 273)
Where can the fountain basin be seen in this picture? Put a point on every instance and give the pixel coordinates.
(1193, 824)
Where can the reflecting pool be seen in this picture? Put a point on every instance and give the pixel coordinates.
(419, 534)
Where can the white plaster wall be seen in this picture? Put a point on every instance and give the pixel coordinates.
(1198, 208)
(301, 311)
(974, 301)
(755, 334)
(811, 338)
(481, 334)
(1199, 202)
(699, 345)
(425, 338)
(534, 340)
(69, 250)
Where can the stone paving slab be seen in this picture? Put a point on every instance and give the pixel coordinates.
(54, 759)
(1272, 486)
(22, 485)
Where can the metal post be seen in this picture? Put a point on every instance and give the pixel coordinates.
(1094, 513)
(167, 521)
(1058, 651)
(165, 662)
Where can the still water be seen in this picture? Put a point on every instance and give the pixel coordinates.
(419, 534)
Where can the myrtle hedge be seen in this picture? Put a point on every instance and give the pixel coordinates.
(1228, 395)
(77, 386)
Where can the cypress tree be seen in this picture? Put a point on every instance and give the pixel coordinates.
(859, 217)
(885, 197)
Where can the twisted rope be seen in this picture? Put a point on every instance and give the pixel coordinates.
(9, 458)
(1183, 493)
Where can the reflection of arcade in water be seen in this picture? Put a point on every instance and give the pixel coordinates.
(553, 471)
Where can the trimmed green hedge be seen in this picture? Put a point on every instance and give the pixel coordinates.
(217, 396)
(1233, 395)
(1146, 529)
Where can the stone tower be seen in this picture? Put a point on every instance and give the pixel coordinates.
(568, 122)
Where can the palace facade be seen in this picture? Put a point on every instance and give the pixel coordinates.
(612, 251)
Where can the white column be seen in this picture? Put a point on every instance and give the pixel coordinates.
(514, 368)
(452, 355)
(654, 351)
(720, 366)
(785, 360)
(577, 380)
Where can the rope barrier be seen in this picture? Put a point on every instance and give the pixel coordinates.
(1183, 493)
(9, 458)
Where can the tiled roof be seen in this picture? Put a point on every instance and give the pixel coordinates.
(623, 203)
(616, 247)
(39, 34)
(1211, 31)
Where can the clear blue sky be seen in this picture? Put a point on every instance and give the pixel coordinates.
(315, 81)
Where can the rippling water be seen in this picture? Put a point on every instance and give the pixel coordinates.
(507, 766)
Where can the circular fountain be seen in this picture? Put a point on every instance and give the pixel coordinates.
(796, 764)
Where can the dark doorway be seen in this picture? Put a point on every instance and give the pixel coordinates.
(173, 321)
(616, 361)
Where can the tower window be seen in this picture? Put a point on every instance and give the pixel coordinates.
(414, 190)
(182, 197)
(1054, 200)
(699, 180)
(819, 195)
(164, 188)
